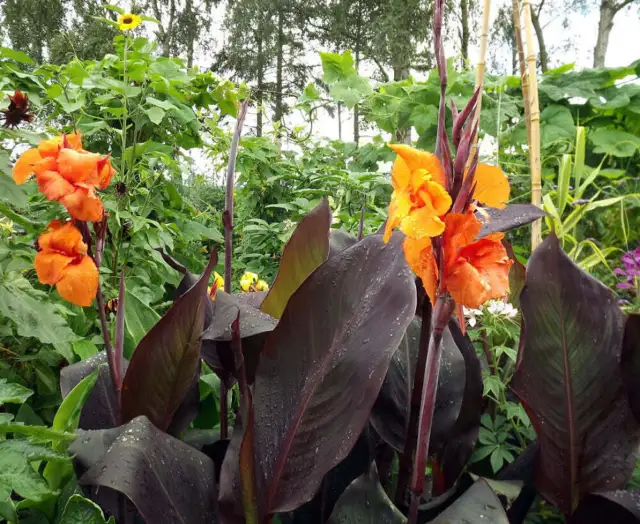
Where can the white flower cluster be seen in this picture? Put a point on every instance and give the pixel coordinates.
(497, 308)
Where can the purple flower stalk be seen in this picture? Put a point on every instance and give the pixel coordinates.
(630, 271)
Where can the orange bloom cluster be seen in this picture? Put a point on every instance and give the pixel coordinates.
(473, 270)
(67, 173)
(63, 262)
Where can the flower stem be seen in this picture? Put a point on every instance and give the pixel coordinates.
(439, 319)
(406, 459)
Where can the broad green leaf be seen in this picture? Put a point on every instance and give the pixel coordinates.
(11, 393)
(336, 66)
(578, 165)
(84, 348)
(38, 432)
(155, 114)
(80, 510)
(18, 56)
(139, 317)
(10, 191)
(68, 414)
(33, 318)
(31, 451)
(16, 474)
(164, 104)
(556, 124)
(307, 248)
(351, 90)
(114, 8)
(197, 231)
(614, 142)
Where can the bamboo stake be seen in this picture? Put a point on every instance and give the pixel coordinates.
(480, 70)
(524, 78)
(534, 119)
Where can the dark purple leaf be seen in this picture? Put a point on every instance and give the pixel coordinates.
(511, 217)
(339, 241)
(100, 411)
(478, 504)
(390, 413)
(569, 381)
(167, 480)
(630, 363)
(307, 248)
(615, 507)
(455, 447)
(253, 299)
(167, 358)
(357, 462)
(322, 368)
(188, 409)
(365, 501)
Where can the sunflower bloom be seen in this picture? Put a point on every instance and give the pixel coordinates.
(63, 262)
(128, 21)
(419, 198)
(68, 174)
(474, 270)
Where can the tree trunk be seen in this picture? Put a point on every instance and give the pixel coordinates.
(402, 73)
(605, 25)
(464, 33)
(279, 110)
(543, 56)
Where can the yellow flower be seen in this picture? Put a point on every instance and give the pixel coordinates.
(262, 286)
(218, 280)
(247, 280)
(128, 21)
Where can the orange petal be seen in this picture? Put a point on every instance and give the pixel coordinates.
(490, 258)
(422, 222)
(64, 238)
(466, 285)
(79, 282)
(79, 167)
(50, 147)
(23, 168)
(50, 266)
(75, 141)
(460, 230)
(419, 256)
(440, 199)
(400, 174)
(106, 173)
(398, 209)
(53, 186)
(46, 164)
(416, 159)
(492, 186)
(82, 204)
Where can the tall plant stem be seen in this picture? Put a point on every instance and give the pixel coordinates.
(480, 70)
(524, 78)
(441, 313)
(411, 437)
(534, 126)
(227, 219)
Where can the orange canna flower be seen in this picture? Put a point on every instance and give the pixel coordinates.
(67, 173)
(492, 186)
(474, 270)
(63, 261)
(419, 197)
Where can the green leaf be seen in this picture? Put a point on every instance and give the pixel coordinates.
(13, 393)
(336, 66)
(39, 432)
(199, 231)
(556, 124)
(114, 8)
(614, 142)
(18, 56)
(80, 510)
(10, 191)
(164, 104)
(564, 177)
(16, 474)
(351, 90)
(139, 317)
(31, 451)
(561, 69)
(84, 348)
(33, 318)
(155, 114)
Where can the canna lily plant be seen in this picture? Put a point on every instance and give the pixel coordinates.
(352, 356)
